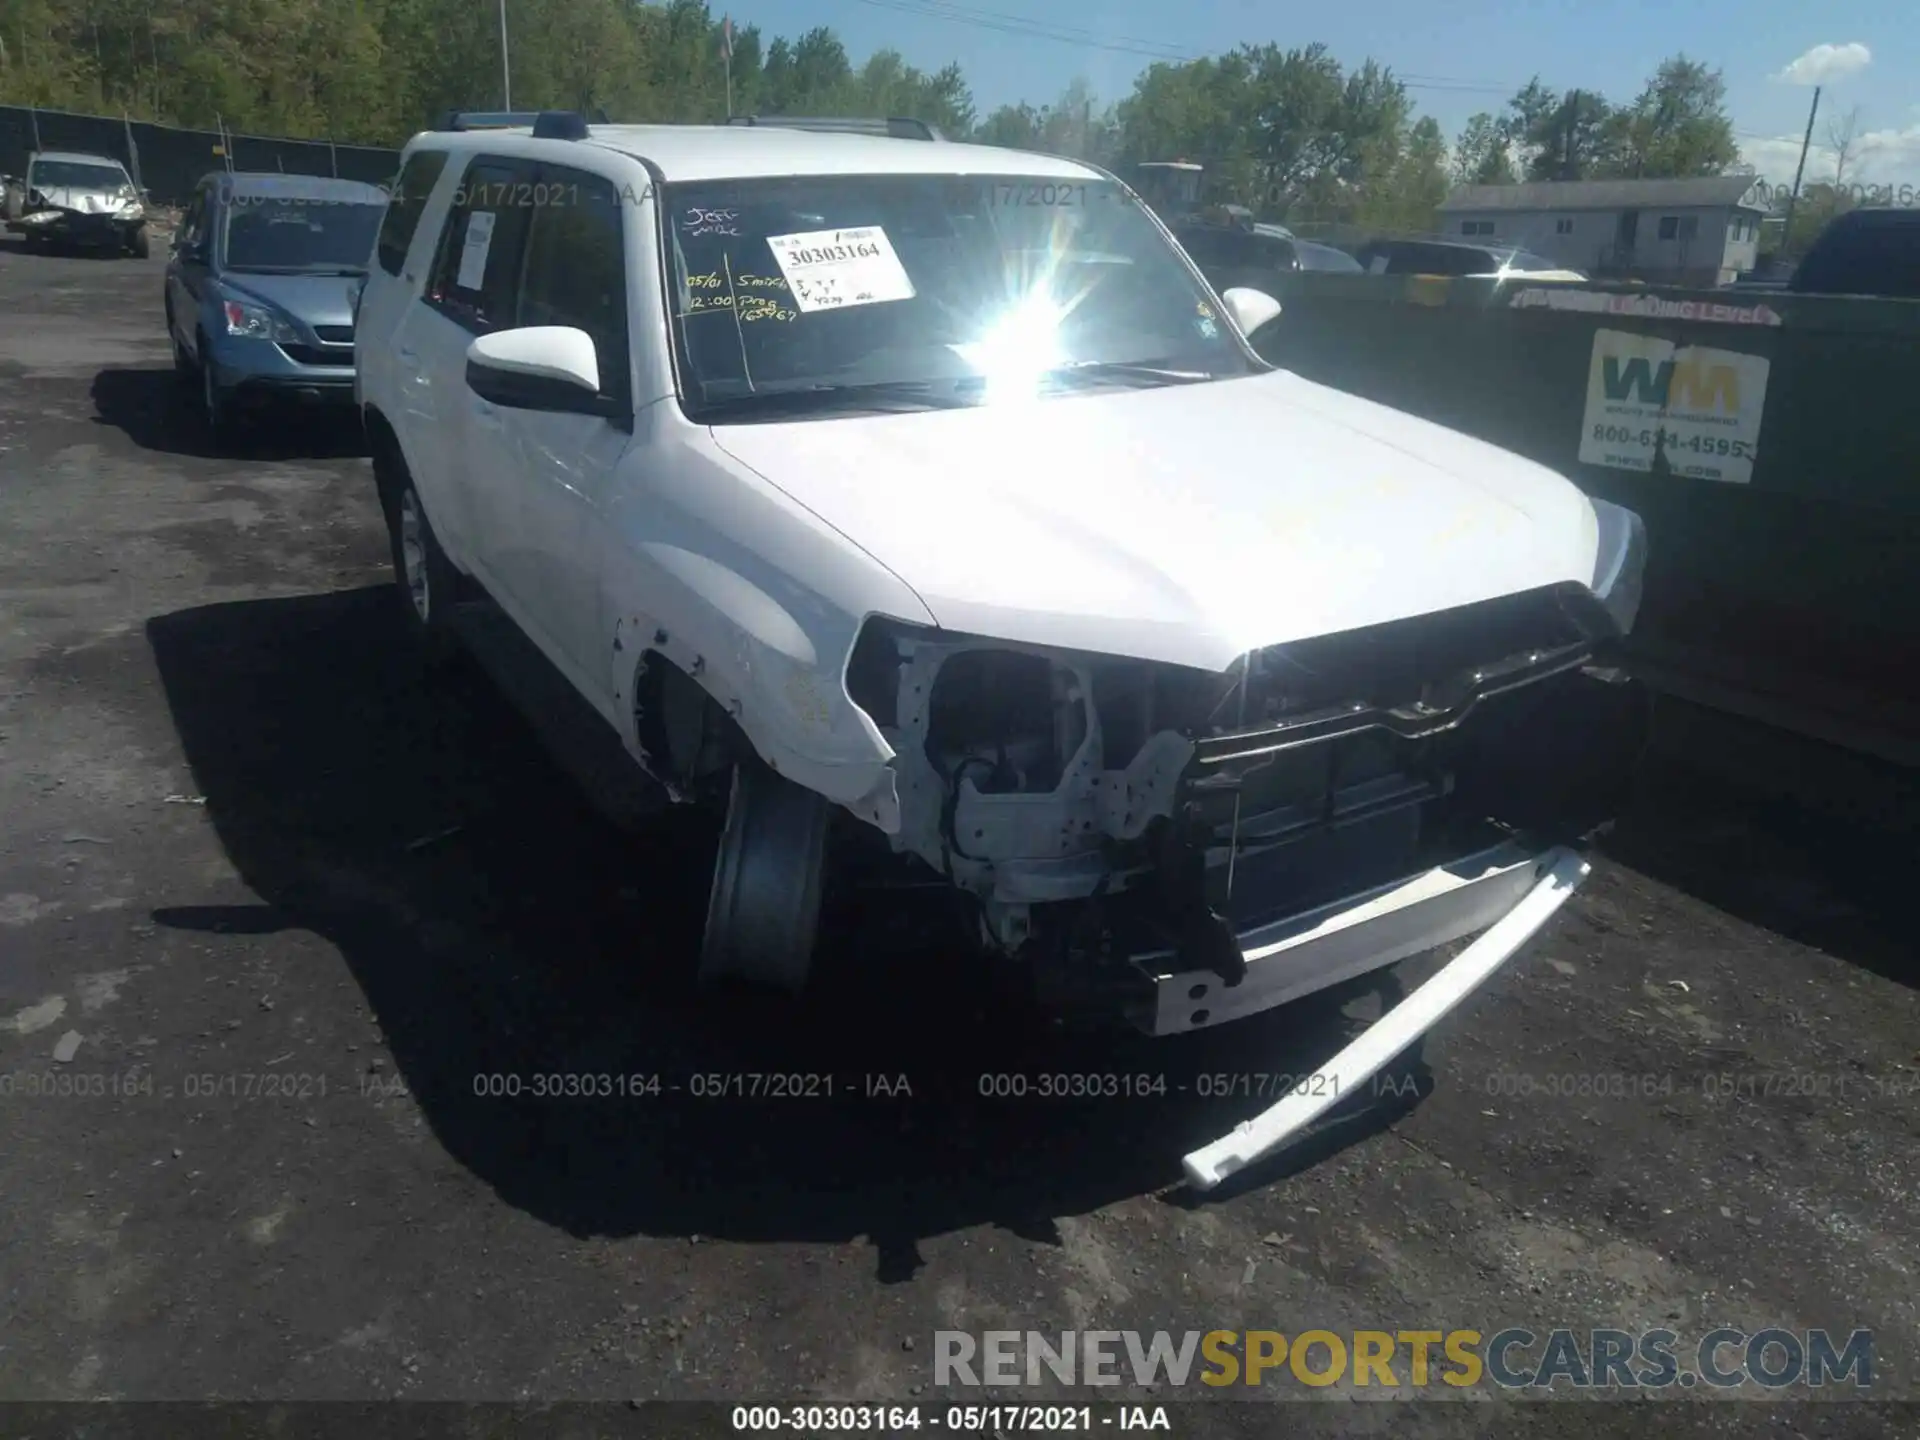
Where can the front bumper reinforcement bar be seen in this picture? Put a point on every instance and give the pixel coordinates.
(1561, 872)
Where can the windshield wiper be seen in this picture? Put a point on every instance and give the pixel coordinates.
(1158, 372)
(899, 396)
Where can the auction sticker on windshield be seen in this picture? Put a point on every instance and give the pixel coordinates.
(830, 269)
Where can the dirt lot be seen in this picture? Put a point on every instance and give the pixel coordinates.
(291, 900)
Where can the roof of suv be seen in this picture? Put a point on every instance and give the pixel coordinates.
(725, 152)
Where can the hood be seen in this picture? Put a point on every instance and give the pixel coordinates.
(84, 201)
(1190, 523)
(310, 299)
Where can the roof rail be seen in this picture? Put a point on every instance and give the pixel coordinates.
(897, 127)
(487, 119)
(545, 124)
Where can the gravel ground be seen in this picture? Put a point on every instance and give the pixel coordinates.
(252, 865)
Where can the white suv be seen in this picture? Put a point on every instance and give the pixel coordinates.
(931, 484)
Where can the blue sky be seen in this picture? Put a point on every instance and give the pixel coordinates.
(1458, 57)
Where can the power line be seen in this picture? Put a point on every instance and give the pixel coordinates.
(1006, 24)
(1033, 29)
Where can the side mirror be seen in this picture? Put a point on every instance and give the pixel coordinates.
(538, 367)
(1251, 309)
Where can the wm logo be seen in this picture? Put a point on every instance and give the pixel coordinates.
(1691, 385)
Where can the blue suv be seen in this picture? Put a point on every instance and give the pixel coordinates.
(261, 288)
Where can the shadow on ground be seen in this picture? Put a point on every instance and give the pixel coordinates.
(1793, 835)
(498, 927)
(159, 411)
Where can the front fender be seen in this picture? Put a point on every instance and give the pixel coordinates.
(759, 602)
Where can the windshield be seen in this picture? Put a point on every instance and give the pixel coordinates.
(960, 289)
(300, 234)
(77, 175)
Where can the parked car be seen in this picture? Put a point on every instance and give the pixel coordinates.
(1454, 257)
(1231, 256)
(928, 487)
(1314, 256)
(260, 290)
(82, 201)
(1874, 250)
(1262, 258)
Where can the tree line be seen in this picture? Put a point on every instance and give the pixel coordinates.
(1289, 132)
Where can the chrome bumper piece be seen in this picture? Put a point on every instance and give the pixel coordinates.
(1508, 890)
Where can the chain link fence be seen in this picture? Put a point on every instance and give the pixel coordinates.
(169, 161)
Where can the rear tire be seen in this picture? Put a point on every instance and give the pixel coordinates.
(137, 244)
(763, 912)
(428, 584)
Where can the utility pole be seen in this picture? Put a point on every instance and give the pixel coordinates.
(506, 75)
(1786, 233)
(1566, 150)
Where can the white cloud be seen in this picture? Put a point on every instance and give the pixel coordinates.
(1824, 64)
(1879, 158)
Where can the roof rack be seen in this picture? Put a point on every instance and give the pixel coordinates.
(545, 124)
(487, 120)
(896, 127)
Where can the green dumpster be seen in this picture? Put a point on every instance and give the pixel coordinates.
(1770, 441)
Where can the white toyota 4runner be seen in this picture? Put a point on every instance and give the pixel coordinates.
(930, 483)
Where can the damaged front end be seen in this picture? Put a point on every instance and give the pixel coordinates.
(1177, 848)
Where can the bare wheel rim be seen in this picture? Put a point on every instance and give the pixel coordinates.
(764, 909)
(413, 556)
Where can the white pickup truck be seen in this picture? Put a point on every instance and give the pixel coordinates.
(931, 485)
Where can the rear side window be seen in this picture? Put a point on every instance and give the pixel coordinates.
(575, 272)
(1278, 254)
(405, 205)
(477, 267)
(1401, 258)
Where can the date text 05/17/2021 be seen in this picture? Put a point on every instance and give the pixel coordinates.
(910, 1419)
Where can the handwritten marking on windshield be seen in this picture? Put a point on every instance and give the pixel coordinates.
(748, 309)
(710, 222)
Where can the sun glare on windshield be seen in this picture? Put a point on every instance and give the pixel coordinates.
(1018, 348)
